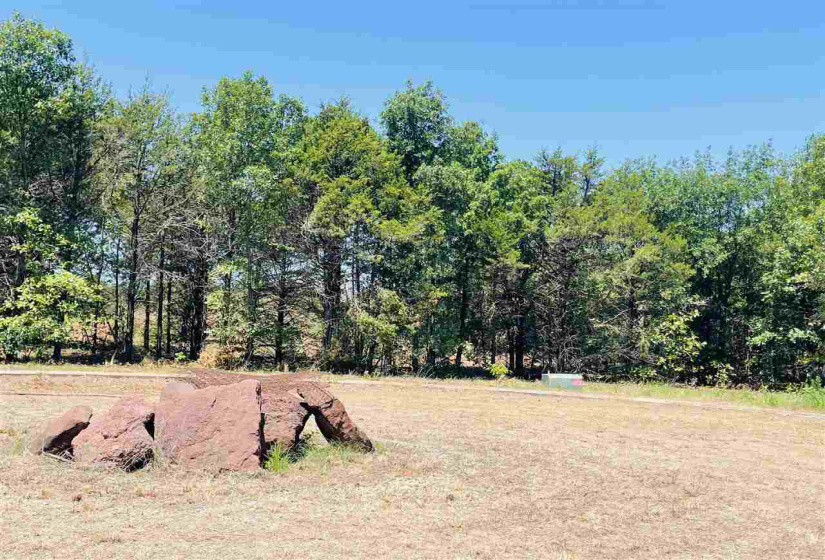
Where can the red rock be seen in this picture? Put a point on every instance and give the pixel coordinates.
(176, 388)
(55, 437)
(284, 419)
(120, 437)
(331, 417)
(218, 428)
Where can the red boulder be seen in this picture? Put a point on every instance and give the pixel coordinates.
(120, 437)
(284, 419)
(55, 437)
(218, 428)
(176, 388)
(331, 417)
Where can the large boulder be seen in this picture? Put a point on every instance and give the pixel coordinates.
(55, 436)
(176, 388)
(121, 437)
(217, 428)
(331, 417)
(284, 419)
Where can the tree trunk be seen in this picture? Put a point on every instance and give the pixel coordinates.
(116, 329)
(370, 358)
(282, 301)
(131, 291)
(632, 320)
(493, 346)
(169, 318)
(519, 344)
(430, 349)
(94, 331)
(227, 279)
(279, 337)
(331, 262)
(227, 306)
(521, 325)
(415, 349)
(161, 288)
(97, 311)
(511, 349)
(462, 314)
(147, 305)
(198, 327)
(251, 307)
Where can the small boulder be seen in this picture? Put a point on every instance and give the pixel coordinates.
(284, 419)
(176, 388)
(121, 437)
(331, 417)
(217, 428)
(55, 436)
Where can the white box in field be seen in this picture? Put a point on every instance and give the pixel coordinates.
(563, 381)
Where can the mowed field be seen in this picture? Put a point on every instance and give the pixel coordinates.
(460, 473)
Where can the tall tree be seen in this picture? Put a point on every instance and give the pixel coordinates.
(417, 124)
(244, 137)
(360, 202)
(36, 66)
(142, 168)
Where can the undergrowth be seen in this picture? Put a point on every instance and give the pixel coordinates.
(808, 396)
(309, 453)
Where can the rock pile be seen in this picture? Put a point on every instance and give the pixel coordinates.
(220, 427)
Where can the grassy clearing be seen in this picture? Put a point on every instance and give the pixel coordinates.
(800, 398)
(461, 474)
(805, 398)
(145, 367)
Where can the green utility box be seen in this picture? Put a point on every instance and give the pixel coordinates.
(563, 381)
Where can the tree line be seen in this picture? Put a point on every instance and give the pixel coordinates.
(268, 234)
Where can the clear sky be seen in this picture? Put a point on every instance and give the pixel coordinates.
(637, 77)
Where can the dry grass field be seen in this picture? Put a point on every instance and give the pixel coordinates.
(460, 473)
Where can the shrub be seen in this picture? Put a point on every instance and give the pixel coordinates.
(499, 371)
(813, 393)
(42, 310)
(221, 357)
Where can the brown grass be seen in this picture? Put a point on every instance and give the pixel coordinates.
(459, 474)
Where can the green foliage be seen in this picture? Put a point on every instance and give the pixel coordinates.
(296, 238)
(812, 393)
(36, 64)
(278, 459)
(49, 300)
(673, 349)
(499, 371)
(44, 309)
(308, 452)
(418, 125)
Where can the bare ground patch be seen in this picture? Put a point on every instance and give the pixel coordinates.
(460, 474)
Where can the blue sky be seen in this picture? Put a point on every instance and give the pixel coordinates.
(657, 78)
